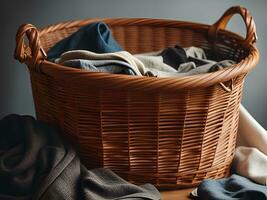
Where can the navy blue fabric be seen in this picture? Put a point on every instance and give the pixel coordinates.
(94, 37)
(174, 56)
(232, 188)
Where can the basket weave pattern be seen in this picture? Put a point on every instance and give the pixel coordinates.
(171, 132)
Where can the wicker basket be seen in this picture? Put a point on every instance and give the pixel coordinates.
(171, 132)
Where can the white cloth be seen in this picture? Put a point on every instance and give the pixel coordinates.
(195, 52)
(250, 158)
(250, 132)
(251, 163)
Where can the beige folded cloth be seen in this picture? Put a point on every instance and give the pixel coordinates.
(137, 66)
(142, 65)
(250, 158)
(155, 63)
(195, 52)
(251, 163)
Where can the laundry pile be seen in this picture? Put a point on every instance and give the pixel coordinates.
(93, 48)
(37, 164)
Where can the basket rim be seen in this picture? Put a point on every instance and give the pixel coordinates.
(141, 82)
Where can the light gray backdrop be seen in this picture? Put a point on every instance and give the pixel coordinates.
(15, 89)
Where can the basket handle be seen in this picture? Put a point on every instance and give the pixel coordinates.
(251, 36)
(33, 52)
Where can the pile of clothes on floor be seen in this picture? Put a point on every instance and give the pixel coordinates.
(94, 49)
(36, 163)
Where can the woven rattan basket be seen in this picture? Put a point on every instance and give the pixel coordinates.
(171, 132)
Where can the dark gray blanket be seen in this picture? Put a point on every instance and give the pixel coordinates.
(36, 163)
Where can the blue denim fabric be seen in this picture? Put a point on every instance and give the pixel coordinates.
(94, 37)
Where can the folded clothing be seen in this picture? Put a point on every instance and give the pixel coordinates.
(136, 65)
(195, 52)
(234, 187)
(175, 56)
(154, 62)
(140, 65)
(190, 68)
(251, 163)
(94, 37)
(251, 153)
(36, 163)
(107, 66)
(97, 40)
